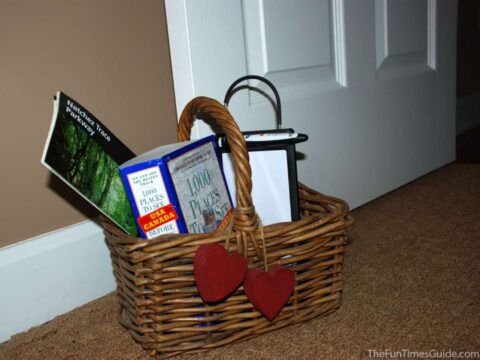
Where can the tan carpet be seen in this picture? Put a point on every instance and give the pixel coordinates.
(412, 281)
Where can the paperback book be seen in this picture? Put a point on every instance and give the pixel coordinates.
(178, 188)
(82, 152)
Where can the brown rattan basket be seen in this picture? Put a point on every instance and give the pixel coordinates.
(158, 299)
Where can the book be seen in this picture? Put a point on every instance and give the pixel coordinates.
(85, 154)
(178, 188)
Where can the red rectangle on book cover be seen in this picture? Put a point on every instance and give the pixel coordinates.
(157, 218)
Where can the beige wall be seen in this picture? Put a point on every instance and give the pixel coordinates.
(110, 55)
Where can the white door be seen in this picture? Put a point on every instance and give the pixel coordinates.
(372, 82)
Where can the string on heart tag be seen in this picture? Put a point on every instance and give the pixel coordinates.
(264, 247)
(255, 245)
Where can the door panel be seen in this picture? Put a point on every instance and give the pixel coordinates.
(405, 36)
(299, 48)
(371, 82)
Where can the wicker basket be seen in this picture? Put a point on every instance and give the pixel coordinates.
(158, 299)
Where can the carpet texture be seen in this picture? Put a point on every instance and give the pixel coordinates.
(412, 281)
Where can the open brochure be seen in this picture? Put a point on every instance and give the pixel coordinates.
(83, 153)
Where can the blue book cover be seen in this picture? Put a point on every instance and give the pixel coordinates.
(178, 188)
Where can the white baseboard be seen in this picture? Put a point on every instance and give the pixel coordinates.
(50, 275)
(468, 112)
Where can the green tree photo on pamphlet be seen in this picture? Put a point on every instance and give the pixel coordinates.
(87, 167)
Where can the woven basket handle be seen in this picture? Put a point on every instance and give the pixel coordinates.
(246, 222)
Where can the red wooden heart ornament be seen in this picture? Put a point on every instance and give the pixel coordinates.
(216, 273)
(269, 291)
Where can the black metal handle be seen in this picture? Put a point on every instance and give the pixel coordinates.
(278, 105)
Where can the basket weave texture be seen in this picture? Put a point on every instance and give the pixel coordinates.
(158, 300)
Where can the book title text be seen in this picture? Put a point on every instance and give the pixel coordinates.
(85, 121)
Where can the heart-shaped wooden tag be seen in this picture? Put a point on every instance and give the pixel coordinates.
(269, 291)
(217, 274)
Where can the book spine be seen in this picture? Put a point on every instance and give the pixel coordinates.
(173, 196)
(151, 202)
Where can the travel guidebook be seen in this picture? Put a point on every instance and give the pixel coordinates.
(178, 188)
(82, 152)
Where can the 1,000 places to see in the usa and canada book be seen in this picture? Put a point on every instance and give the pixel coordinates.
(178, 188)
